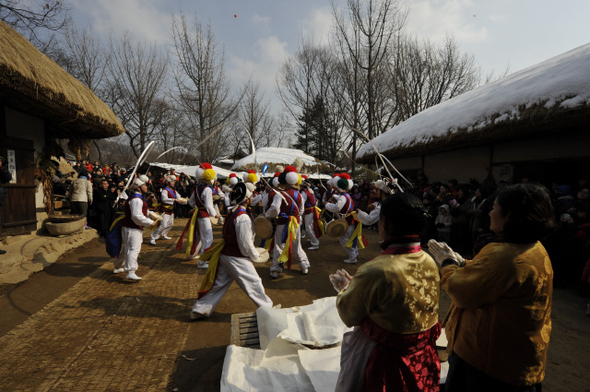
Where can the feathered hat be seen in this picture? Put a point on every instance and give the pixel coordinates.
(344, 183)
(250, 176)
(141, 180)
(386, 185)
(232, 179)
(334, 180)
(304, 181)
(205, 172)
(275, 180)
(291, 176)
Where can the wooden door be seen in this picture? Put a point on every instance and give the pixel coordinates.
(19, 213)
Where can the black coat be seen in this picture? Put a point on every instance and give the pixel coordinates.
(102, 200)
(5, 177)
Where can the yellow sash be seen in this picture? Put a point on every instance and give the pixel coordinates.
(116, 221)
(191, 231)
(358, 234)
(291, 236)
(267, 243)
(212, 255)
(316, 217)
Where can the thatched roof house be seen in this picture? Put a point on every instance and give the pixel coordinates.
(538, 114)
(33, 83)
(40, 102)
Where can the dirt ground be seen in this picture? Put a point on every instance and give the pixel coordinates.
(75, 326)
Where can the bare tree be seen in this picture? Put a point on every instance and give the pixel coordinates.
(204, 90)
(86, 58)
(284, 129)
(351, 86)
(170, 131)
(306, 85)
(423, 75)
(137, 77)
(32, 16)
(255, 117)
(366, 33)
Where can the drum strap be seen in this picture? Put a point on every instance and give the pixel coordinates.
(171, 193)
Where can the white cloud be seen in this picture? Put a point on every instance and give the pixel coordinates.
(140, 17)
(318, 26)
(261, 20)
(437, 19)
(271, 54)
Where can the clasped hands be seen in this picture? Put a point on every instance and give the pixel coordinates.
(340, 280)
(441, 251)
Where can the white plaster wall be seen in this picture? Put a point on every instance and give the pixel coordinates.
(23, 126)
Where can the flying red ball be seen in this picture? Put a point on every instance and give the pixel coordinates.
(235, 16)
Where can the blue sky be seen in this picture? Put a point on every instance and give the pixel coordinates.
(263, 33)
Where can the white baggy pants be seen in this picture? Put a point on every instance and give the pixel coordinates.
(132, 240)
(353, 252)
(164, 227)
(309, 231)
(205, 236)
(229, 269)
(298, 254)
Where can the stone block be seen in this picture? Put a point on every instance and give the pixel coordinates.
(65, 228)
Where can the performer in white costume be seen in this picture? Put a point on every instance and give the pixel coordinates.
(168, 196)
(344, 206)
(136, 218)
(202, 198)
(310, 214)
(250, 177)
(235, 262)
(269, 193)
(287, 209)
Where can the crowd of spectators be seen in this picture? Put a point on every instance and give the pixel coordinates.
(458, 214)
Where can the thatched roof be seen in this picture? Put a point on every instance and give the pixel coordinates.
(550, 97)
(32, 83)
